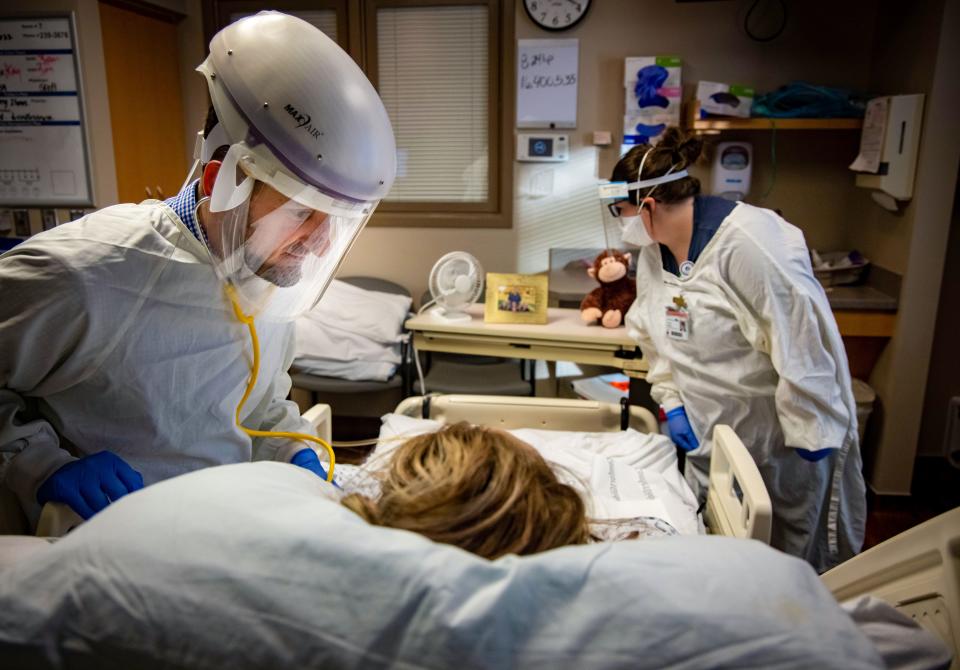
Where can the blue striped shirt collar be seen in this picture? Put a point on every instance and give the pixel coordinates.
(183, 204)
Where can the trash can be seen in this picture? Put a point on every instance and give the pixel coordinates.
(864, 396)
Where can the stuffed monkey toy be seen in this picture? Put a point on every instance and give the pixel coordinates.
(610, 301)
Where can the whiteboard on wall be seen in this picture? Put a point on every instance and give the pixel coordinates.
(547, 80)
(43, 151)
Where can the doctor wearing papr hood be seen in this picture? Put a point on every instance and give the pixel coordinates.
(144, 341)
(737, 330)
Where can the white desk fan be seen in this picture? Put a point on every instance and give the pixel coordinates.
(456, 282)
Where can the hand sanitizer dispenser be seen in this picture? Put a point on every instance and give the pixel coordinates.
(731, 170)
(888, 148)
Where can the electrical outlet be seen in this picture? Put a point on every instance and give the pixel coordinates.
(602, 138)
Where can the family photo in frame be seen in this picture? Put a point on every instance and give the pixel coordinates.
(516, 298)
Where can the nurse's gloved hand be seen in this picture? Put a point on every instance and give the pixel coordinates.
(90, 483)
(308, 459)
(681, 432)
(813, 456)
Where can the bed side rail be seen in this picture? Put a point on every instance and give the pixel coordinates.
(917, 571)
(320, 417)
(56, 520)
(512, 412)
(738, 504)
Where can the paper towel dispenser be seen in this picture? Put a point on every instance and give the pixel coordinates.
(889, 145)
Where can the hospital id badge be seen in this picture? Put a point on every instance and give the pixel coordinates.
(678, 320)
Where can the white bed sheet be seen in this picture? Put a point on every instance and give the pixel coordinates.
(253, 566)
(629, 480)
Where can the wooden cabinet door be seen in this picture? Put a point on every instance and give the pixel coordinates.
(146, 110)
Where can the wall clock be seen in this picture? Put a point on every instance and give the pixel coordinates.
(556, 14)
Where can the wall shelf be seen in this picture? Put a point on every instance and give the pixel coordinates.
(716, 125)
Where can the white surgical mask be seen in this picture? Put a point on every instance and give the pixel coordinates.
(632, 231)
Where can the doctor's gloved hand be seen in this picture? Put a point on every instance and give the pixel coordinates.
(681, 432)
(90, 483)
(308, 459)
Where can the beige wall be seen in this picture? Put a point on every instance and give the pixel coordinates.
(711, 41)
(860, 47)
(813, 187)
(943, 380)
(884, 236)
(914, 241)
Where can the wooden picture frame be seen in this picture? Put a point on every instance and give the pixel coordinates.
(516, 298)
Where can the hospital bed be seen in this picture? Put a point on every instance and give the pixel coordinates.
(737, 502)
(918, 572)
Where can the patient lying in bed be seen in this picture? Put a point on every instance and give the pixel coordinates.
(477, 488)
(255, 565)
(492, 493)
(282, 575)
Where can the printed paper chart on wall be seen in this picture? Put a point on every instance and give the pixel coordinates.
(43, 159)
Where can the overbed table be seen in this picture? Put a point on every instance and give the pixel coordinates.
(563, 338)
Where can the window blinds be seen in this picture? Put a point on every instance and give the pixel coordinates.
(434, 79)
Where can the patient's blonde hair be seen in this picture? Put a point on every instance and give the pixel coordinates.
(477, 488)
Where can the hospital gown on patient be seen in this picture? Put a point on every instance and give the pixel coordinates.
(628, 480)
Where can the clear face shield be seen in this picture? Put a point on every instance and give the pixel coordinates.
(615, 198)
(275, 241)
(619, 229)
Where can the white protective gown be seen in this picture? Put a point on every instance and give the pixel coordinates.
(764, 356)
(115, 335)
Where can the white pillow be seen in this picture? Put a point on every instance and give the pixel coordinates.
(254, 566)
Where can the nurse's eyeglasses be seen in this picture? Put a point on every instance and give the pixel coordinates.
(614, 210)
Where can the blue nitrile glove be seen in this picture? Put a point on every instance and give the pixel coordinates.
(680, 430)
(90, 483)
(308, 459)
(813, 456)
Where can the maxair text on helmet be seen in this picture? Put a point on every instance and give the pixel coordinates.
(302, 120)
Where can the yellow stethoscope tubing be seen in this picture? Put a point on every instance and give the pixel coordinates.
(254, 373)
